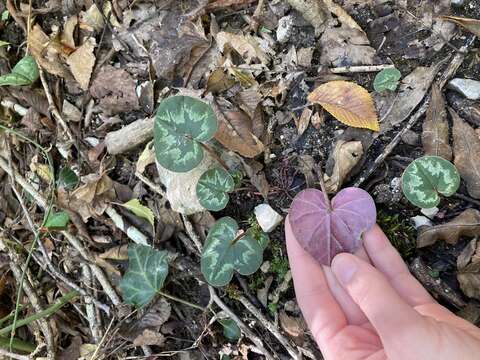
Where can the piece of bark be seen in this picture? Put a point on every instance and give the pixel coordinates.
(130, 136)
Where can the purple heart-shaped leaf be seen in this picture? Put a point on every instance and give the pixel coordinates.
(324, 231)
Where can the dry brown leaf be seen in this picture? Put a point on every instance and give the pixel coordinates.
(345, 46)
(435, 127)
(293, 326)
(342, 15)
(81, 63)
(466, 149)
(115, 89)
(68, 30)
(46, 54)
(304, 121)
(411, 91)
(348, 102)
(248, 100)
(219, 81)
(465, 224)
(346, 155)
(235, 133)
(472, 25)
(469, 280)
(466, 255)
(257, 177)
(149, 337)
(92, 19)
(247, 46)
(314, 11)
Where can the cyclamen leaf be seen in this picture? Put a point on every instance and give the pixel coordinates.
(56, 221)
(348, 102)
(231, 331)
(325, 232)
(147, 270)
(224, 252)
(387, 79)
(140, 210)
(24, 73)
(67, 178)
(182, 123)
(213, 188)
(427, 177)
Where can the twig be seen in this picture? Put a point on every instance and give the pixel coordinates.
(130, 136)
(181, 301)
(40, 315)
(19, 109)
(358, 69)
(52, 107)
(89, 113)
(93, 322)
(269, 326)
(131, 231)
(73, 240)
(13, 356)
(221, 4)
(157, 188)
(447, 74)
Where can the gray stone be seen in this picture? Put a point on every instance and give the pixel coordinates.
(285, 28)
(420, 221)
(467, 87)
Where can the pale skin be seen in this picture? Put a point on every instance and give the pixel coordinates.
(369, 306)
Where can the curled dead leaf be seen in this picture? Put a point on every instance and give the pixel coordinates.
(435, 127)
(466, 148)
(314, 11)
(348, 102)
(293, 326)
(345, 155)
(247, 46)
(465, 224)
(235, 132)
(81, 63)
(472, 25)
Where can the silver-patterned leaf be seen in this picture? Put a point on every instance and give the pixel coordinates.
(213, 188)
(24, 73)
(147, 270)
(427, 177)
(225, 252)
(182, 123)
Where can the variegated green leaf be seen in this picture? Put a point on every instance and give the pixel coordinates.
(147, 270)
(182, 123)
(427, 177)
(225, 252)
(213, 188)
(24, 73)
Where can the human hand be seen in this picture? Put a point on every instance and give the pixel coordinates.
(369, 306)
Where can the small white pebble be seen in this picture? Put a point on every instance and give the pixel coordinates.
(430, 213)
(420, 221)
(267, 218)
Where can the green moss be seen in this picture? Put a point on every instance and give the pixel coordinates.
(400, 233)
(279, 264)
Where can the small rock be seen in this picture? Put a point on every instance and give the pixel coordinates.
(267, 218)
(265, 267)
(291, 306)
(430, 213)
(457, 2)
(467, 87)
(420, 221)
(410, 137)
(285, 28)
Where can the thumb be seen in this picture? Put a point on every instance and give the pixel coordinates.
(388, 313)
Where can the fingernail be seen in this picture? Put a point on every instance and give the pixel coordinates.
(344, 267)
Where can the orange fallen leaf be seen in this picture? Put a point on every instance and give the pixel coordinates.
(348, 102)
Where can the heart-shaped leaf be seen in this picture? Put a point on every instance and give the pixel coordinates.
(427, 177)
(147, 270)
(182, 123)
(213, 188)
(24, 73)
(225, 251)
(231, 331)
(348, 102)
(387, 79)
(325, 232)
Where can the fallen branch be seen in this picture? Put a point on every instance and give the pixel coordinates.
(19, 109)
(359, 69)
(130, 136)
(447, 74)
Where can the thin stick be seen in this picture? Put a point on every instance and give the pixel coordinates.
(131, 231)
(13, 355)
(157, 188)
(52, 309)
(358, 69)
(181, 301)
(447, 74)
(19, 109)
(322, 186)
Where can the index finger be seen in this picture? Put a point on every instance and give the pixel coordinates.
(321, 311)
